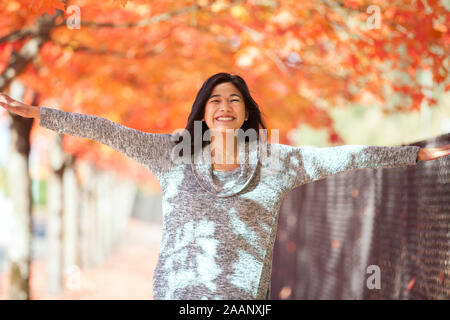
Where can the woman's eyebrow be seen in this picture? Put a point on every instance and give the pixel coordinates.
(218, 95)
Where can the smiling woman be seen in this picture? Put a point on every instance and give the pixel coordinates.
(223, 102)
(225, 110)
(219, 229)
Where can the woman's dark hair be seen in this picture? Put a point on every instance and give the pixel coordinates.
(198, 108)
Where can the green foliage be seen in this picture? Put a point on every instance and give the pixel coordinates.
(3, 181)
(38, 188)
(38, 192)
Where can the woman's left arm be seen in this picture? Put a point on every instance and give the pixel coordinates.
(427, 154)
(300, 165)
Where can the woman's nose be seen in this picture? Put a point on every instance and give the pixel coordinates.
(224, 106)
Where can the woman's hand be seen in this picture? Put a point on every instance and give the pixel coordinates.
(426, 154)
(18, 107)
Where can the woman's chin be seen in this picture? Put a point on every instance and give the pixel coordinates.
(224, 129)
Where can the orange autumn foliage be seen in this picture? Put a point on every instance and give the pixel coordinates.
(296, 56)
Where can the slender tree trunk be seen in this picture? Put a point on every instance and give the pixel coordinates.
(102, 214)
(55, 235)
(83, 256)
(88, 219)
(70, 219)
(20, 189)
(20, 251)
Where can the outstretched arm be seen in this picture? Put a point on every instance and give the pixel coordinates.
(300, 165)
(145, 148)
(149, 149)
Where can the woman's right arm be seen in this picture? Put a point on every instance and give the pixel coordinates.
(149, 149)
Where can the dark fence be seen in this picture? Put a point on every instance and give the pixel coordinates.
(334, 235)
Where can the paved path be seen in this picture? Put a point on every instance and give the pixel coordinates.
(125, 274)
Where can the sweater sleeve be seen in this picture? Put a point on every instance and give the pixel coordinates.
(149, 149)
(300, 165)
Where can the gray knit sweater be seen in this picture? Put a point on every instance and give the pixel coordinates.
(219, 227)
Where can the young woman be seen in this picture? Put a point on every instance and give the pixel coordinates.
(220, 217)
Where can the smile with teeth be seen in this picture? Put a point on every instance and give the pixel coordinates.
(225, 119)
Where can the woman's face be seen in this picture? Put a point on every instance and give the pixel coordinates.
(225, 101)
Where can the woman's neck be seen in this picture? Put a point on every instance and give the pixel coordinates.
(224, 156)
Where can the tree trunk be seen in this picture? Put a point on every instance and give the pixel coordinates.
(55, 236)
(19, 180)
(20, 190)
(20, 60)
(106, 202)
(70, 222)
(88, 216)
(102, 214)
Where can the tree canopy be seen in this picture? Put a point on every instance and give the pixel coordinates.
(141, 63)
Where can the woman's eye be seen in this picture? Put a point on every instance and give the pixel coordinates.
(231, 100)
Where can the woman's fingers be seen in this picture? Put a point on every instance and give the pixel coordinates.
(445, 150)
(426, 154)
(9, 103)
(18, 107)
(4, 100)
(442, 151)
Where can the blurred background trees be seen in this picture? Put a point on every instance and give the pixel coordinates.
(323, 72)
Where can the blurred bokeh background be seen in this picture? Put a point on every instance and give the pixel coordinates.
(79, 220)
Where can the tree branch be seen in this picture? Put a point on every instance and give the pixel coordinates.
(156, 49)
(165, 16)
(118, 54)
(17, 35)
(19, 60)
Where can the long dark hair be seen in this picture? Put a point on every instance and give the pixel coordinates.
(254, 121)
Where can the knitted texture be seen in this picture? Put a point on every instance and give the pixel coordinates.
(219, 228)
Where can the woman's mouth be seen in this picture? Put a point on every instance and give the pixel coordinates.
(225, 119)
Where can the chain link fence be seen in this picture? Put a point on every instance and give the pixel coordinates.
(367, 234)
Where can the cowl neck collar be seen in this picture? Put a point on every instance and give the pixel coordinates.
(248, 153)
